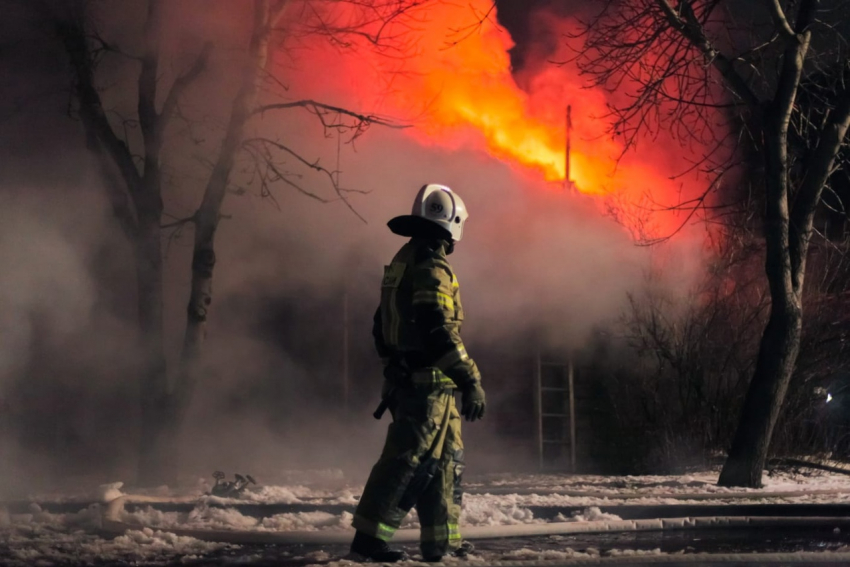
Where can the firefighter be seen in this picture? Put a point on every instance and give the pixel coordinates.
(417, 335)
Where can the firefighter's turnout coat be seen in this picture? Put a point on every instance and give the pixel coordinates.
(417, 330)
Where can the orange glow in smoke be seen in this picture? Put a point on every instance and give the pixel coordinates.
(460, 90)
(471, 96)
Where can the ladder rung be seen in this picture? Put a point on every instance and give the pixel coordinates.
(563, 415)
(557, 441)
(553, 389)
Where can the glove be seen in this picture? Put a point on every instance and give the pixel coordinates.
(473, 403)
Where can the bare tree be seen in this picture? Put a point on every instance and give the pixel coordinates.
(136, 196)
(687, 65)
(694, 354)
(134, 178)
(374, 20)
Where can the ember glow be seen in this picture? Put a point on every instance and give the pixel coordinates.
(457, 89)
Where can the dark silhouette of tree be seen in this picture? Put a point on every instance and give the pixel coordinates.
(723, 75)
(132, 165)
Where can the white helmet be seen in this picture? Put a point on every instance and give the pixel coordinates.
(440, 205)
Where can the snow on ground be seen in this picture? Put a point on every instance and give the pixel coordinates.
(477, 511)
(331, 487)
(583, 491)
(296, 494)
(521, 500)
(279, 487)
(579, 490)
(588, 492)
(84, 519)
(521, 554)
(209, 518)
(527, 554)
(592, 514)
(482, 511)
(39, 537)
(704, 482)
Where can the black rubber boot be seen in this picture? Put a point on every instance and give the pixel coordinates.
(463, 550)
(375, 549)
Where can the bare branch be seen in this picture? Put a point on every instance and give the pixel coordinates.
(108, 47)
(817, 175)
(778, 15)
(92, 114)
(116, 190)
(320, 108)
(381, 23)
(178, 222)
(806, 14)
(147, 86)
(693, 30)
(260, 149)
(183, 82)
(465, 32)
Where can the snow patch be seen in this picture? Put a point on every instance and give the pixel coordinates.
(526, 554)
(42, 538)
(658, 486)
(89, 518)
(633, 552)
(308, 521)
(39, 537)
(298, 494)
(220, 518)
(478, 511)
(214, 518)
(592, 514)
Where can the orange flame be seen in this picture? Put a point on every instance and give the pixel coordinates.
(461, 86)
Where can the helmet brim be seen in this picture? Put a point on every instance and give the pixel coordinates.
(418, 227)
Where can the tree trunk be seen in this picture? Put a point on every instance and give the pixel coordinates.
(208, 214)
(155, 454)
(787, 238)
(780, 342)
(138, 207)
(778, 351)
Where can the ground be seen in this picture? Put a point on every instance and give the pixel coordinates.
(69, 529)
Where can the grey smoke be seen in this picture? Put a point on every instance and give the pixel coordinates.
(534, 263)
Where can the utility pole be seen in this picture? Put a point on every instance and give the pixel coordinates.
(346, 378)
(569, 186)
(538, 408)
(572, 411)
(346, 323)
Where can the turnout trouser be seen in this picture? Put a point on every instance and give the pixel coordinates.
(421, 465)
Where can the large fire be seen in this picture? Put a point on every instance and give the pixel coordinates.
(455, 84)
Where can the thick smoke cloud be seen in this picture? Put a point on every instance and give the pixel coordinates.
(68, 349)
(536, 266)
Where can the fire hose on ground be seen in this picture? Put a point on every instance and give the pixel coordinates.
(112, 523)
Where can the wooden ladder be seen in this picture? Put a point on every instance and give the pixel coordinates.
(555, 413)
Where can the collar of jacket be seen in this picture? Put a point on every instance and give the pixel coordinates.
(433, 245)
